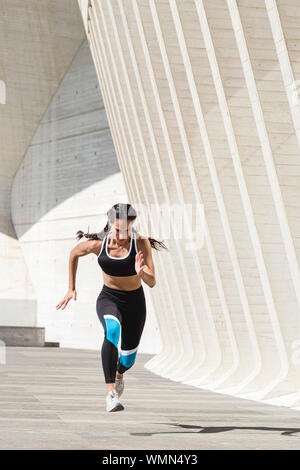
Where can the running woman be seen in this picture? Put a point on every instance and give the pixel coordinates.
(125, 258)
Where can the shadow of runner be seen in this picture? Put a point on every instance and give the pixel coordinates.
(216, 429)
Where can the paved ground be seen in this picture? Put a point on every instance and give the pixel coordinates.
(53, 398)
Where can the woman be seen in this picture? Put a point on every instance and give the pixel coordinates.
(125, 259)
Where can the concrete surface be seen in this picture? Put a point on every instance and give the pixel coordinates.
(54, 398)
(22, 336)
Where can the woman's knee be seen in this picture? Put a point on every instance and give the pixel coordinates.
(127, 357)
(113, 329)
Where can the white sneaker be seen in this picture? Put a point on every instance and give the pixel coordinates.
(119, 384)
(112, 401)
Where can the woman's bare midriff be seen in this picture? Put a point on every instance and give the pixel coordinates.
(122, 283)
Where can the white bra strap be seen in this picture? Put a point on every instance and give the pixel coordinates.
(103, 241)
(136, 250)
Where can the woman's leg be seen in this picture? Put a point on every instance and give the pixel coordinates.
(110, 318)
(133, 322)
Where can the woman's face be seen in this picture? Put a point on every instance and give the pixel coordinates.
(121, 229)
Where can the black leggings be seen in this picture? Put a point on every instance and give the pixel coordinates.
(124, 312)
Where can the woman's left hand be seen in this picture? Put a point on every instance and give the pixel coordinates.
(139, 263)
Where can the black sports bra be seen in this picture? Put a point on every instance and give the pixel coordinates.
(118, 266)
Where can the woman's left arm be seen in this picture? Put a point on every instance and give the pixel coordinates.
(144, 263)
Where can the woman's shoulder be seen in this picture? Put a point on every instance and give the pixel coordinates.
(139, 235)
(95, 245)
(142, 241)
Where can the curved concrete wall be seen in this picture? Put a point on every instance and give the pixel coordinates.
(37, 43)
(67, 181)
(59, 173)
(203, 108)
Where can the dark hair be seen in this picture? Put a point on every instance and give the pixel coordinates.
(119, 211)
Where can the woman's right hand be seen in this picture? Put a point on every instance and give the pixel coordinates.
(71, 294)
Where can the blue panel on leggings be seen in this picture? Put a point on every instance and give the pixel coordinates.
(128, 360)
(113, 331)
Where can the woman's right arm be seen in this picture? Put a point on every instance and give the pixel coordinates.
(82, 249)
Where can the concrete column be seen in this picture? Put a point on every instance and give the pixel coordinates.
(207, 104)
